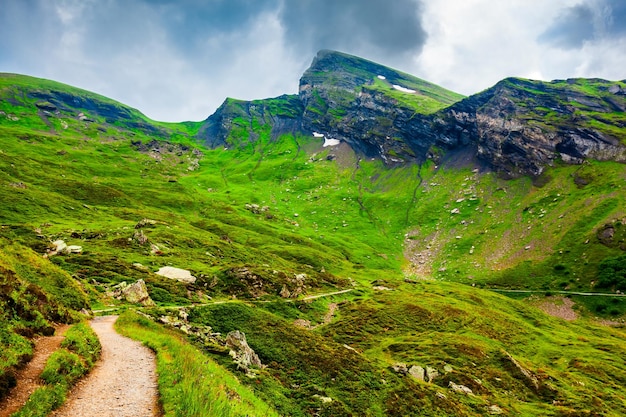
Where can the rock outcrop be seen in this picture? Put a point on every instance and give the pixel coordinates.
(243, 355)
(225, 127)
(521, 126)
(517, 127)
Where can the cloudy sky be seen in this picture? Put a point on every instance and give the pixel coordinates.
(179, 59)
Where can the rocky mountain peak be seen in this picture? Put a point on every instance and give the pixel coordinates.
(517, 127)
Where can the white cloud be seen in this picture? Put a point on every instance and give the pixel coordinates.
(473, 44)
(179, 61)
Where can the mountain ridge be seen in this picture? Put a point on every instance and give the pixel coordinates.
(358, 102)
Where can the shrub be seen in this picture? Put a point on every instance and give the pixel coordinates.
(63, 367)
(612, 273)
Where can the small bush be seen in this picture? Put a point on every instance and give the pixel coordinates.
(612, 273)
(82, 340)
(63, 367)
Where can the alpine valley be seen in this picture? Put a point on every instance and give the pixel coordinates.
(375, 245)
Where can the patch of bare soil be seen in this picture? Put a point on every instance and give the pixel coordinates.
(558, 307)
(328, 317)
(28, 377)
(123, 383)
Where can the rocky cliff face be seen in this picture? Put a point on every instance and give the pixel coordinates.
(518, 127)
(379, 111)
(522, 126)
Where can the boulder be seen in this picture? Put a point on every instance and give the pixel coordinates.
(243, 355)
(137, 293)
(46, 105)
(176, 273)
(73, 249)
(417, 372)
(461, 389)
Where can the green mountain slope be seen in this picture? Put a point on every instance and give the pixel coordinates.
(406, 216)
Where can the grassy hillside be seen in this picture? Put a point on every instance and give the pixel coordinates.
(263, 223)
(34, 295)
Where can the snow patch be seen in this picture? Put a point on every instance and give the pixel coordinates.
(331, 142)
(327, 141)
(403, 89)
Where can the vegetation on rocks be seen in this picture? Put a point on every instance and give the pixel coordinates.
(422, 203)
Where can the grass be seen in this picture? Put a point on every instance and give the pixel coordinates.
(434, 325)
(267, 206)
(78, 353)
(190, 384)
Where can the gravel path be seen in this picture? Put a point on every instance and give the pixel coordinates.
(123, 383)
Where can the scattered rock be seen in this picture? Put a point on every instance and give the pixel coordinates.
(417, 372)
(455, 211)
(256, 209)
(324, 400)
(431, 374)
(495, 410)
(144, 223)
(140, 267)
(461, 389)
(140, 237)
(400, 368)
(17, 185)
(176, 273)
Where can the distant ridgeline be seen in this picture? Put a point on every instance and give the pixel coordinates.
(516, 127)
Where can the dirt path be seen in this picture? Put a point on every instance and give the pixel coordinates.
(328, 294)
(123, 383)
(28, 378)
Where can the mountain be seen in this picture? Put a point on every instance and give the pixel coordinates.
(386, 246)
(520, 127)
(517, 127)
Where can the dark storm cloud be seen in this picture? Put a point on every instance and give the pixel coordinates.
(382, 29)
(588, 21)
(189, 22)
